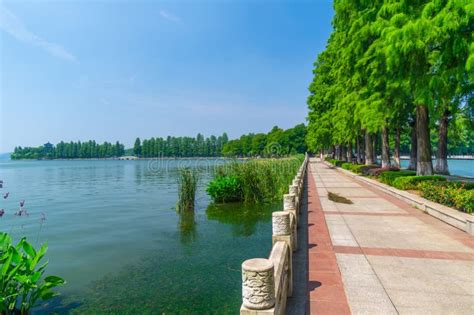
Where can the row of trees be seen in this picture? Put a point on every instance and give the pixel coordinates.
(393, 70)
(70, 150)
(277, 142)
(180, 146)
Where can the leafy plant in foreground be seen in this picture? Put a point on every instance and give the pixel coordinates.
(22, 285)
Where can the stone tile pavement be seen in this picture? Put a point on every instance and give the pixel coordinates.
(379, 255)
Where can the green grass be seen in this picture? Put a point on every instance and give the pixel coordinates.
(254, 181)
(187, 185)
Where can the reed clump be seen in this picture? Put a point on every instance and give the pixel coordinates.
(254, 181)
(187, 186)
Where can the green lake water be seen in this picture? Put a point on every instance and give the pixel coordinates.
(114, 235)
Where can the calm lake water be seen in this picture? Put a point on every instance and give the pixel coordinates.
(114, 235)
(456, 167)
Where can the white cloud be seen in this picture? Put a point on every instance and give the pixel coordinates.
(170, 17)
(14, 26)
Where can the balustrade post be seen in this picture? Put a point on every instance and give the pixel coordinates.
(284, 229)
(258, 285)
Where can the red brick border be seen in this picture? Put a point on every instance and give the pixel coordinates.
(325, 287)
(410, 253)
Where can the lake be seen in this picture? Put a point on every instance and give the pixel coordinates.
(115, 236)
(456, 167)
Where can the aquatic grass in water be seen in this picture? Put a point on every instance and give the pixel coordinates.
(187, 185)
(258, 181)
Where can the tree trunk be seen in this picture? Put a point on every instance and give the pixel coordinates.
(413, 149)
(369, 149)
(385, 148)
(441, 166)
(339, 152)
(349, 152)
(424, 165)
(375, 142)
(343, 153)
(333, 148)
(396, 150)
(361, 150)
(359, 158)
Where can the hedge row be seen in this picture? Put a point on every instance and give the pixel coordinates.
(435, 188)
(449, 194)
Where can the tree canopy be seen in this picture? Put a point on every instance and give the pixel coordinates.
(388, 63)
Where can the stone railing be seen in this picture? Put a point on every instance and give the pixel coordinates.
(266, 283)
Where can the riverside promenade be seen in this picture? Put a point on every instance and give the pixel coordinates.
(380, 255)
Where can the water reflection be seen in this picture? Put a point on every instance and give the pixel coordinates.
(187, 227)
(242, 218)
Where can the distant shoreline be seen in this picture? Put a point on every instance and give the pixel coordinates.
(126, 158)
(139, 159)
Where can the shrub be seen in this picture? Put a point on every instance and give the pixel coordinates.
(387, 177)
(363, 169)
(225, 189)
(22, 284)
(449, 194)
(347, 166)
(411, 182)
(336, 162)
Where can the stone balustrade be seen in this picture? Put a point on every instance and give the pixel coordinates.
(267, 283)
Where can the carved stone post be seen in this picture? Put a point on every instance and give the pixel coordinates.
(284, 229)
(258, 284)
(289, 206)
(294, 191)
(281, 223)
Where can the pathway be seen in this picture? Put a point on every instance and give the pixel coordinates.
(379, 255)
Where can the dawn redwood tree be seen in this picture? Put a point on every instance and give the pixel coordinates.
(454, 23)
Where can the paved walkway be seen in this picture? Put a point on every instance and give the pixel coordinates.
(379, 255)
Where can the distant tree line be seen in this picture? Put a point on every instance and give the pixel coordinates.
(70, 150)
(277, 142)
(180, 146)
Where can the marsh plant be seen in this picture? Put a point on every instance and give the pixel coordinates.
(187, 186)
(254, 181)
(22, 284)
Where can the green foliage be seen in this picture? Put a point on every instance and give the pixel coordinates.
(336, 162)
(198, 146)
(347, 166)
(388, 177)
(412, 182)
(449, 194)
(260, 180)
(22, 285)
(225, 189)
(70, 150)
(384, 58)
(187, 186)
(276, 143)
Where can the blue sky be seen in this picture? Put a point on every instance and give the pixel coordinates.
(115, 70)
